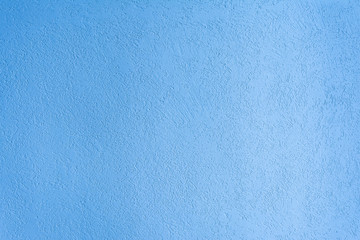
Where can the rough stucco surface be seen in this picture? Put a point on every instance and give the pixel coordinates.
(179, 120)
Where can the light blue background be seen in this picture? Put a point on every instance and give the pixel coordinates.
(179, 119)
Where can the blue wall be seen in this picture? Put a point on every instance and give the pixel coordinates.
(188, 120)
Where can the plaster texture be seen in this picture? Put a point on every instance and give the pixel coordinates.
(179, 119)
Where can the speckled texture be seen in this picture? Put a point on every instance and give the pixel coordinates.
(179, 119)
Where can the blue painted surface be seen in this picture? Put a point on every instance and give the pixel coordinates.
(187, 120)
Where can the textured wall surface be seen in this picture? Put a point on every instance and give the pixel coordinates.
(179, 119)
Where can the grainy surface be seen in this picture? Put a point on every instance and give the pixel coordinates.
(179, 119)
